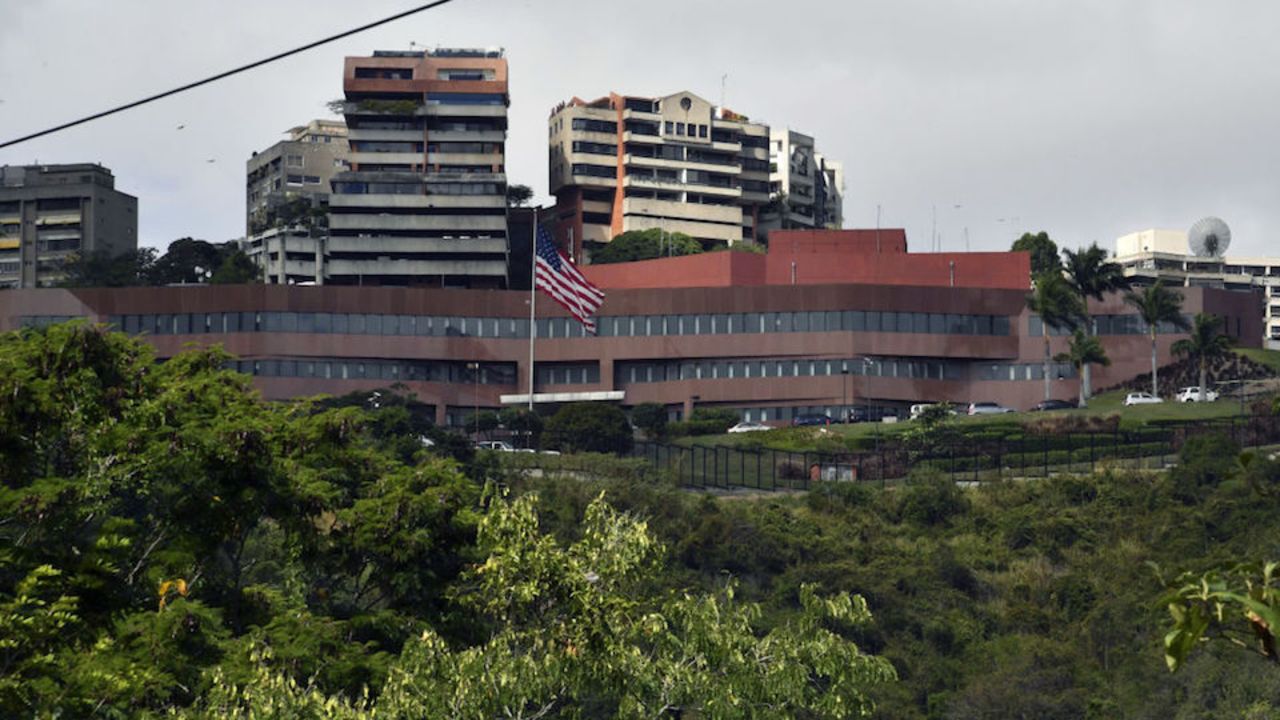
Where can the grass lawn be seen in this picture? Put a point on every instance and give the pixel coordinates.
(1104, 404)
(1270, 358)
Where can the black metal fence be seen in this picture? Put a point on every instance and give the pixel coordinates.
(974, 456)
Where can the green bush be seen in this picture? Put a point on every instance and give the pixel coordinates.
(588, 427)
(931, 499)
(650, 418)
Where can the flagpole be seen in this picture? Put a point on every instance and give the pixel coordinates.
(533, 299)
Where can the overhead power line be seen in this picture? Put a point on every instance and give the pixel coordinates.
(228, 73)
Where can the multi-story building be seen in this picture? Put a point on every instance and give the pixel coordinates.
(826, 321)
(49, 212)
(1154, 254)
(676, 163)
(287, 199)
(299, 167)
(424, 203)
(808, 189)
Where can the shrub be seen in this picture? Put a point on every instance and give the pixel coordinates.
(650, 418)
(588, 427)
(705, 421)
(1204, 462)
(931, 499)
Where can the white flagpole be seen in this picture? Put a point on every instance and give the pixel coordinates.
(533, 299)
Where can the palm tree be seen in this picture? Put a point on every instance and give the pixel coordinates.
(1058, 307)
(1157, 304)
(1092, 276)
(1204, 343)
(1084, 350)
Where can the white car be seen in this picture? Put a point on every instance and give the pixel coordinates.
(988, 408)
(496, 445)
(1192, 394)
(1141, 398)
(748, 426)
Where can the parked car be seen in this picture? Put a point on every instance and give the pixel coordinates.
(749, 426)
(988, 408)
(918, 410)
(810, 419)
(1141, 398)
(1192, 394)
(1046, 405)
(495, 445)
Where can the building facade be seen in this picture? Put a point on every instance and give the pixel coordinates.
(50, 212)
(807, 188)
(767, 350)
(299, 167)
(424, 203)
(1154, 254)
(675, 163)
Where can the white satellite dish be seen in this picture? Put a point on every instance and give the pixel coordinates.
(1209, 237)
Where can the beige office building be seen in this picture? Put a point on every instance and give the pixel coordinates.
(677, 163)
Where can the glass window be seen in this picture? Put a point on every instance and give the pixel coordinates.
(163, 325)
(390, 324)
(817, 321)
(289, 322)
(131, 324)
(321, 322)
(834, 321)
(424, 325)
(882, 322)
(719, 324)
(983, 325)
(471, 327)
(355, 324)
(521, 328)
(231, 322)
(1000, 325)
(1035, 328)
(913, 322)
(341, 323)
(800, 321)
(937, 323)
(782, 323)
(855, 320)
(182, 324)
(272, 321)
(373, 324)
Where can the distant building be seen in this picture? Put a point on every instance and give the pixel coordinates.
(424, 203)
(286, 238)
(812, 186)
(49, 212)
(1154, 254)
(298, 167)
(676, 163)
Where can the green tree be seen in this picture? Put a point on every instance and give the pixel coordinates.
(522, 423)
(578, 630)
(1239, 603)
(645, 245)
(236, 268)
(1059, 309)
(1083, 351)
(1157, 305)
(519, 195)
(1092, 276)
(588, 427)
(187, 261)
(1202, 345)
(650, 418)
(1044, 252)
(103, 269)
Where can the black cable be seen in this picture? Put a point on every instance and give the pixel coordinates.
(228, 73)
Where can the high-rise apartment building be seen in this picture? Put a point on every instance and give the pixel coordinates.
(424, 202)
(676, 163)
(808, 188)
(299, 167)
(50, 212)
(287, 198)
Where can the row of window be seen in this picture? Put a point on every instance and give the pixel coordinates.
(590, 125)
(580, 146)
(690, 130)
(1107, 325)
(626, 373)
(443, 371)
(607, 326)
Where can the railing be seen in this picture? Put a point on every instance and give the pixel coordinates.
(963, 457)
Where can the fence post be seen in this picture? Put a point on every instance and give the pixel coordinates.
(759, 479)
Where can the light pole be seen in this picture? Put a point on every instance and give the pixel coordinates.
(474, 367)
(844, 388)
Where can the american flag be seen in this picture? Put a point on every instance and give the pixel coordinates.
(557, 277)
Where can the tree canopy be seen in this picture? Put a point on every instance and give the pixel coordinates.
(1044, 252)
(187, 261)
(645, 245)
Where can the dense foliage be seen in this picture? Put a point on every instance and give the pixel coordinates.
(648, 244)
(169, 542)
(187, 261)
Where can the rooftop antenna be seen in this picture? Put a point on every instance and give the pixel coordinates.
(723, 78)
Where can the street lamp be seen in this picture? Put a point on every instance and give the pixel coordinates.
(844, 388)
(474, 367)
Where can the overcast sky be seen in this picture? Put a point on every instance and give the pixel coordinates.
(1084, 118)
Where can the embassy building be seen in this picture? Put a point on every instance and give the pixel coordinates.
(826, 321)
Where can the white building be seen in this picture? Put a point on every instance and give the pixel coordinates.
(1154, 254)
(812, 185)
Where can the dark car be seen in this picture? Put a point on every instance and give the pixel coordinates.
(810, 419)
(1045, 405)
